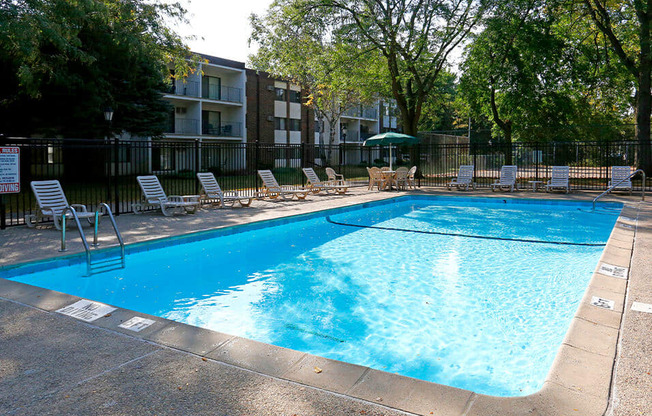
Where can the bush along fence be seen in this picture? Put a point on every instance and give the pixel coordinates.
(94, 171)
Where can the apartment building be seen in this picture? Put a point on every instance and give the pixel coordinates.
(224, 102)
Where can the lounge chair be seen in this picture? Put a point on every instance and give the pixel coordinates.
(335, 178)
(51, 202)
(559, 179)
(213, 192)
(273, 190)
(401, 178)
(411, 180)
(464, 178)
(154, 196)
(316, 185)
(376, 178)
(620, 178)
(507, 179)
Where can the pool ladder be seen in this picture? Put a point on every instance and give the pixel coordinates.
(612, 187)
(101, 265)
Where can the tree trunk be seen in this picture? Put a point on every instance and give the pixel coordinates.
(505, 126)
(643, 103)
(332, 124)
(322, 153)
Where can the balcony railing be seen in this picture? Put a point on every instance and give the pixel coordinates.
(223, 93)
(184, 126)
(188, 88)
(225, 129)
(369, 113)
(361, 112)
(351, 136)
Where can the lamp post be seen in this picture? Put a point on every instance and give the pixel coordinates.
(108, 117)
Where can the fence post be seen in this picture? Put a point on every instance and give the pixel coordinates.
(536, 162)
(256, 161)
(116, 176)
(302, 147)
(340, 158)
(196, 165)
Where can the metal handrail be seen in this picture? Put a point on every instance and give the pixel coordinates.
(612, 187)
(115, 228)
(81, 234)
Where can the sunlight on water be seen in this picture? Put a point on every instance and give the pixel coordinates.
(484, 315)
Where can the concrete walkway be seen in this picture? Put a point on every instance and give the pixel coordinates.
(53, 364)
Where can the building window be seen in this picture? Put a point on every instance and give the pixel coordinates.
(295, 125)
(280, 94)
(279, 123)
(295, 96)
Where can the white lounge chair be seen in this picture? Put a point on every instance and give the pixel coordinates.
(213, 192)
(620, 178)
(335, 178)
(51, 202)
(464, 178)
(316, 185)
(559, 179)
(273, 190)
(154, 196)
(507, 179)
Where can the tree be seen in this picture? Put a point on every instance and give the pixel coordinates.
(414, 37)
(62, 62)
(538, 75)
(627, 25)
(305, 48)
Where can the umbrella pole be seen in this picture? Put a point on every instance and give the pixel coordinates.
(390, 157)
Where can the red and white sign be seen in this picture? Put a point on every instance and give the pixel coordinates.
(9, 170)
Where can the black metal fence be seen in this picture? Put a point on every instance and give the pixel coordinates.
(92, 171)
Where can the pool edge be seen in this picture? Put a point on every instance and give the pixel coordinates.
(563, 393)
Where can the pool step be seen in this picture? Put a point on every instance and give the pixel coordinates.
(107, 265)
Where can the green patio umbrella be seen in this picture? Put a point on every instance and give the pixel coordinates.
(388, 139)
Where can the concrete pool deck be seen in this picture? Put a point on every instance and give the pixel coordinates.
(54, 364)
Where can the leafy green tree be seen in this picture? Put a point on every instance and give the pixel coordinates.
(63, 62)
(626, 25)
(305, 48)
(415, 37)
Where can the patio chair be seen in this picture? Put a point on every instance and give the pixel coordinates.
(621, 174)
(273, 190)
(411, 174)
(401, 178)
(213, 192)
(507, 179)
(154, 196)
(335, 178)
(316, 185)
(559, 179)
(52, 202)
(464, 178)
(375, 178)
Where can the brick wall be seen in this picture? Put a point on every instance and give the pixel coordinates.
(260, 107)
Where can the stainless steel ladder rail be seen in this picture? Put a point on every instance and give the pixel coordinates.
(81, 234)
(612, 187)
(89, 268)
(109, 213)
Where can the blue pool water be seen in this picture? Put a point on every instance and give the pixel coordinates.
(380, 286)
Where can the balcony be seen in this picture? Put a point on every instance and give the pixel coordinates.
(223, 93)
(351, 136)
(224, 129)
(361, 112)
(184, 126)
(187, 89)
(369, 112)
(365, 136)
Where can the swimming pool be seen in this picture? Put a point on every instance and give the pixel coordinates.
(383, 285)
